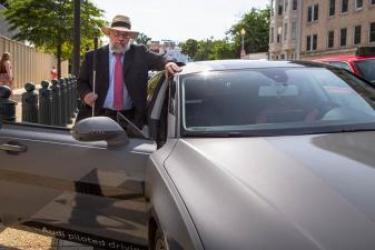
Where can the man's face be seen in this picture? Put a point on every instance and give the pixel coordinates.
(119, 41)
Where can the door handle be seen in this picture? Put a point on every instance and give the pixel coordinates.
(13, 147)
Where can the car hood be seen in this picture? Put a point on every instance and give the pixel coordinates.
(289, 192)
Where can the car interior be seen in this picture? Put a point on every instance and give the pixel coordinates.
(220, 102)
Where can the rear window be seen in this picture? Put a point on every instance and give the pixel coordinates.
(342, 65)
(367, 69)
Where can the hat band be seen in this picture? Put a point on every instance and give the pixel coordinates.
(120, 24)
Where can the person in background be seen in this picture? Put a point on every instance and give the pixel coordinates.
(53, 73)
(6, 72)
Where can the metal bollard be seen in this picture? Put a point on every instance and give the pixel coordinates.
(77, 100)
(63, 105)
(30, 104)
(7, 106)
(55, 103)
(69, 100)
(45, 103)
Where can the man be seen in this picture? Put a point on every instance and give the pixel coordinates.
(121, 75)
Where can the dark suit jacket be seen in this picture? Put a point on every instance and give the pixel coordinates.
(138, 61)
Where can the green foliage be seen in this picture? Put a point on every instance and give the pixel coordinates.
(142, 39)
(208, 49)
(190, 47)
(48, 24)
(256, 25)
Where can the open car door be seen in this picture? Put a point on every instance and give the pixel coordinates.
(88, 192)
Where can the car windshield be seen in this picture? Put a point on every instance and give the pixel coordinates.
(367, 69)
(275, 101)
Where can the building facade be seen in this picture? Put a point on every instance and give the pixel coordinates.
(285, 29)
(327, 28)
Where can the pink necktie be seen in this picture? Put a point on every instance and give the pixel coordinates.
(118, 88)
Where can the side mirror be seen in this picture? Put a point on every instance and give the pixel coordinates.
(100, 128)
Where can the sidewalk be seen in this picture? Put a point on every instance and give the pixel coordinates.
(16, 239)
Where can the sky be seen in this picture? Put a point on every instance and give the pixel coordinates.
(180, 20)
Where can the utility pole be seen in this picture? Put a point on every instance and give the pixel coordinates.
(77, 37)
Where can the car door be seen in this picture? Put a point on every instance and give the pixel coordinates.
(84, 192)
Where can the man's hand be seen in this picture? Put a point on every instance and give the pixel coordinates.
(171, 68)
(90, 99)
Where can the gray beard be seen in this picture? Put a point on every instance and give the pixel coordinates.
(119, 49)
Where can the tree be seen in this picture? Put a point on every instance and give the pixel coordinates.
(221, 49)
(142, 39)
(48, 24)
(190, 47)
(256, 24)
(208, 49)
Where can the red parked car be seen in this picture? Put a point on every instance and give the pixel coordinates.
(361, 64)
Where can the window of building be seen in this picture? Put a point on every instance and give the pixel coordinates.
(294, 30)
(331, 39)
(343, 33)
(272, 35)
(309, 14)
(357, 34)
(372, 1)
(280, 10)
(313, 13)
(295, 5)
(332, 7)
(316, 12)
(344, 6)
(312, 42)
(315, 42)
(308, 43)
(286, 6)
(285, 31)
(358, 4)
(372, 32)
(278, 38)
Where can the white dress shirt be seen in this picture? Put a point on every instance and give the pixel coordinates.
(108, 102)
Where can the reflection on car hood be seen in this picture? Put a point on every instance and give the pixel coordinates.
(292, 192)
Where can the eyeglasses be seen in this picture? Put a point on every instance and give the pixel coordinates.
(120, 34)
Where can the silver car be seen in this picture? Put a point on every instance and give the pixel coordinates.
(238, 155)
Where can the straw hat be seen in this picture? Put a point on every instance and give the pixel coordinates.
(120, 23)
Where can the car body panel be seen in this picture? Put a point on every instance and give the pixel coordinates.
(167, 207)
(311, 194)
(86, 187)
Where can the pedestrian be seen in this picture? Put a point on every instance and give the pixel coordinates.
(53, 73)
(6, 72)
(121, 75)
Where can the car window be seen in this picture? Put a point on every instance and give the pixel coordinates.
(267, 99)
(367, 69)
(342, 65)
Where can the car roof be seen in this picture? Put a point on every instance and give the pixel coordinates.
(345, 58)
(220, 65)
